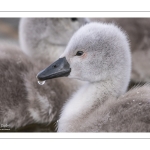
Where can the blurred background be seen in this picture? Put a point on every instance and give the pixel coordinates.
(9, 29)
(138, 31)
(9, 34)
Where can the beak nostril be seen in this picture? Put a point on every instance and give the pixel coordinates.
(55, 66)
(59, 68)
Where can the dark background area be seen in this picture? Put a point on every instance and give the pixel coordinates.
(9, 29)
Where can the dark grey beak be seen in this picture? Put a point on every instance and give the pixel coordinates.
(59, 68)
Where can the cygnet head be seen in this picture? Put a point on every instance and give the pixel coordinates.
(96, 52)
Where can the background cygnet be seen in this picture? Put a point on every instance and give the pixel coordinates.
(139, 36)
(100, 54)
(23, 100)
(46, 38)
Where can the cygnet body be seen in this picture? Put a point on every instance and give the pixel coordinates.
(100, 54)
(22, 100)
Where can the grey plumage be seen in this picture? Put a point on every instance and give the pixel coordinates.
(101, 104)
(128, 113)
(138, 31)
(47, 37)
(22, 100)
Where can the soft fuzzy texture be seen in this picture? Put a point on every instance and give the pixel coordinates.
(98, 106)
(138, 31)
(22, 100)
(128, 113)
(47, 37)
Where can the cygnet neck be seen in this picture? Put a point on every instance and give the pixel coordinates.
(90, 96)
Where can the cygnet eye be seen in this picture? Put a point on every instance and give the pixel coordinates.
(74, 19)
(79, 53)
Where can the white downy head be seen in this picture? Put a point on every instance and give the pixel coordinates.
(99, 52)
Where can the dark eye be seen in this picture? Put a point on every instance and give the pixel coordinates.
(79, 53)
(74, 19)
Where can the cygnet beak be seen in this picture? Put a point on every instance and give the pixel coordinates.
(59, 68)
